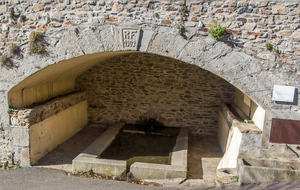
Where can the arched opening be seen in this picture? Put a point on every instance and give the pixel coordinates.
(104, 88)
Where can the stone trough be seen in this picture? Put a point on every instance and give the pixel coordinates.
(256, 170)
(87, 160)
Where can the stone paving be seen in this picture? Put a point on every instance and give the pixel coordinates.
(204, 155)
(61, 157)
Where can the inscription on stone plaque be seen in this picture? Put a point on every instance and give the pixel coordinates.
(130, 38)
(283, 93)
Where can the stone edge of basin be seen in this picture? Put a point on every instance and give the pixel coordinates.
(249, 174)
(87, 160)
(178, 167)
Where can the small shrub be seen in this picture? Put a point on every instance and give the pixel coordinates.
(10, 109)
(16, 166)
(6, 61)
(217, 31)
(76, 30)
(276, 50)
(269, 46)
(37, 43)
(156, 15)
(184, 10)
(180, 29)
(22, 18)
(14, 49)
(12, 13)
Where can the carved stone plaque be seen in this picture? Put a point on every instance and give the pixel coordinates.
(130, 38)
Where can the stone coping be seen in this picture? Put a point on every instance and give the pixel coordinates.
(246, 127)
(243, 127)
(31, 116)
(227, 113)
(88, 160)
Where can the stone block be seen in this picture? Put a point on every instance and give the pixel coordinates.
(100, 166)
(266, 170)
(96, 149)
(175, 172)
(183, 134)
(148, 171)
(179, 158)
(179, 153)
(102, 142)
(249, 26)
(279, 9)
(20, 136)
(147, 35)
(25, 157)
(157, 171)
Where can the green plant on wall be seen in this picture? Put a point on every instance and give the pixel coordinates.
(76, 30)
(277, 51)
(6, 61)
(269, 46)
(14, 49)
(184, 10)
(10, 109)
(12, 13)
(37, 43)
(180, 29)
(217, 31)
(22, 18)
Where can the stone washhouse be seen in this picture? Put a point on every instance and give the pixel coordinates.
(68, 63)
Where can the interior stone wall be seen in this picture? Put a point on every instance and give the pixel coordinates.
(130, 86)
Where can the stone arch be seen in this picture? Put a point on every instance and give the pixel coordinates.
(236, 67)
(59, 79)
(55, 90)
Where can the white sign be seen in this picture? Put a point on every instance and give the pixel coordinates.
(283, 93)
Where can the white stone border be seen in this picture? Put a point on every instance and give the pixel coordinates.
(178, 167)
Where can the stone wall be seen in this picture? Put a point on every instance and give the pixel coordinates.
(31, 116)
(14, 138)
(127, 87)
(74, 28)
(85, 28)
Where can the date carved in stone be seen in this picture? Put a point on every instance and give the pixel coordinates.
(130, 38)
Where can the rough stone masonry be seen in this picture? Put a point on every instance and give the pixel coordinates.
(81, 27)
